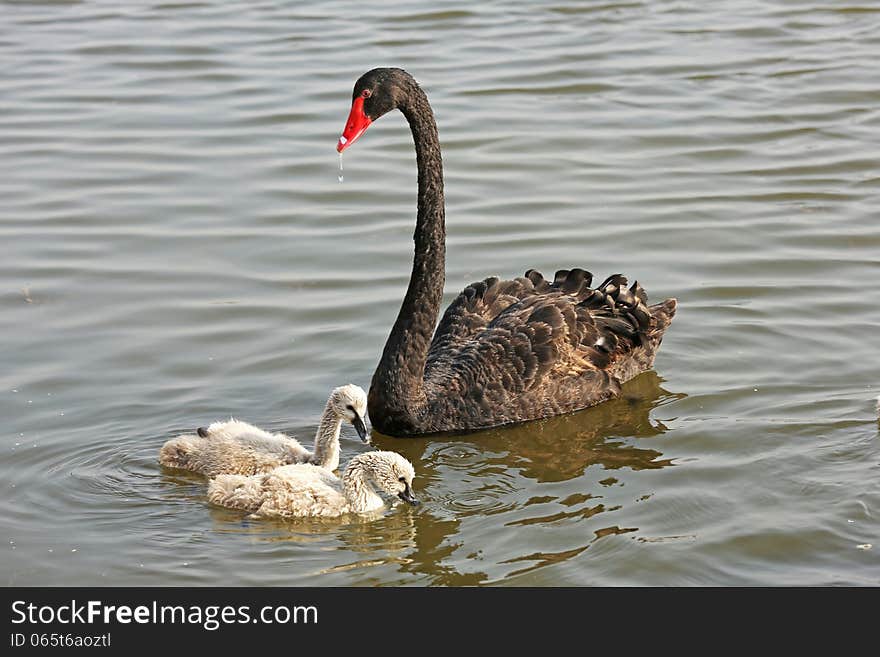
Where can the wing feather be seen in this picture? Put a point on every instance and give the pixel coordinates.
(509, 344)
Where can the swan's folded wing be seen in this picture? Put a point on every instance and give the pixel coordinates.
(514, 352)
(471, 312)
(565, 344)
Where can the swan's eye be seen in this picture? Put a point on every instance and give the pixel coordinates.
(366, 93)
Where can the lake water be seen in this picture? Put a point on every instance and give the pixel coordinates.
(176, 248)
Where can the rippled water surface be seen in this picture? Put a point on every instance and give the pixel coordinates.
(176, 248)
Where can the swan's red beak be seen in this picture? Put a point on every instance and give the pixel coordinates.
(357, 123)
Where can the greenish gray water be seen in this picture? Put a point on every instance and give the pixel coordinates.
(176, 249)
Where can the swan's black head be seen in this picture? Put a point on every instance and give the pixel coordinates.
(376, 93)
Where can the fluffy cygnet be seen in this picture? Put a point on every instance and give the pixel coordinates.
(305, 490)
(235, 447)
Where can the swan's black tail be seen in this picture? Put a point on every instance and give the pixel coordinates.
(661, 317)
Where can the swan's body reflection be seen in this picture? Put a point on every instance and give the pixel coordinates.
(561, 476)
(555, 449)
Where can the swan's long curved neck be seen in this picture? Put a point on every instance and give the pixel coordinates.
(326, 453)
(399, 376)
(358, 489)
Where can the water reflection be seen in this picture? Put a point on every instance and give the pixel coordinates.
(556, 449)
(390, 530)
(551, 475)
(412, 543)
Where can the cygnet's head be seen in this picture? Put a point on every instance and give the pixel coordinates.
(350, 403)
(392, 473)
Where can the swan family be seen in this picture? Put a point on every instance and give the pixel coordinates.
(504, 352)
(273, 475)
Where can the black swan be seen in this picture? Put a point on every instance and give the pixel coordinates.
(505, 351)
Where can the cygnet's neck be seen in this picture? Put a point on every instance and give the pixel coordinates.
(326, 454)
(358, 489)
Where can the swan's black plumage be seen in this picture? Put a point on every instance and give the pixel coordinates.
(505, 351)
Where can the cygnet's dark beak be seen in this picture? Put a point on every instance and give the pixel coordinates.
(361, 428)
(407, 496)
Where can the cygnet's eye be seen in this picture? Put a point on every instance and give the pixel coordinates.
(402, 480)
(350, 408)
